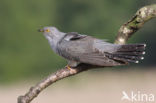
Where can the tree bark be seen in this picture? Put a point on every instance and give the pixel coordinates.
(125, 32)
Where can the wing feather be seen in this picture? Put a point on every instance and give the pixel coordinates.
(85, 50)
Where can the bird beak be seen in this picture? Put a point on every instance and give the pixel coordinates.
(41, 30)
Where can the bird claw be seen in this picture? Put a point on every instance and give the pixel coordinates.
(68, 67)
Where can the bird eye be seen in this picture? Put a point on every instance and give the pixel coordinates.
(47, 30)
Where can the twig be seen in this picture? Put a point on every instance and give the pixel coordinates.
(143, 15)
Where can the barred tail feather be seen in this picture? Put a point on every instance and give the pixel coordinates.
(128, 53)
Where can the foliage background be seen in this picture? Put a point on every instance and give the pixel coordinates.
(25, 53)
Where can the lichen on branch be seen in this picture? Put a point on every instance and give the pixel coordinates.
(129, 28)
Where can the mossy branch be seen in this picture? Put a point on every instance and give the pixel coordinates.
(129, 28)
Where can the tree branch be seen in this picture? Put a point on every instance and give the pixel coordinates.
(143, 15)
(128, 29)
(60, 74)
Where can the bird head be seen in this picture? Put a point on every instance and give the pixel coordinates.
(51, 32)
(53, 35)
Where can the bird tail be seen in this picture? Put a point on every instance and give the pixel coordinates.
(128, 53)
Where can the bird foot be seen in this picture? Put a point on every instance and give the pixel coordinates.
(68, 67)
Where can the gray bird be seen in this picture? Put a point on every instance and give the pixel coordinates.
(78, 49)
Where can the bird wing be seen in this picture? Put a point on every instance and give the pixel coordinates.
(73, 36)
(85, 49)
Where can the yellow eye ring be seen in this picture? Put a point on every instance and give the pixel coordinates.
(47, 30)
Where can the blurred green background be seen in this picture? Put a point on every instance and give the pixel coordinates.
(25, 53)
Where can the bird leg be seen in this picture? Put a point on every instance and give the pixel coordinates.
(68, 67)
(73, 63)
